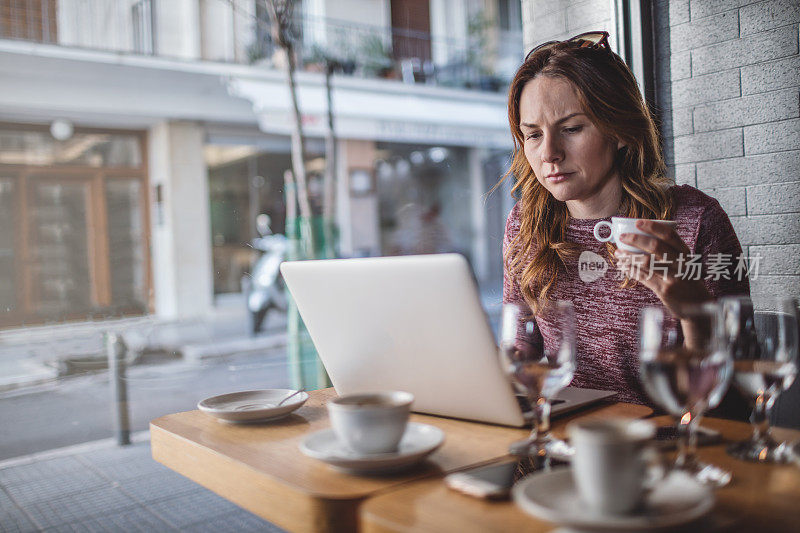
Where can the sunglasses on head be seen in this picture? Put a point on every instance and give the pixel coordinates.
(590, 39)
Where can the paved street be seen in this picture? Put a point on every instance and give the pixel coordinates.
(79, 409)
(216, 355)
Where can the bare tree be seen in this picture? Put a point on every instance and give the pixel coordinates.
(280, 12)
(331, 160)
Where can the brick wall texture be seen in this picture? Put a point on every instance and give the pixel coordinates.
(549, 20)
(728, 95)
(728, 90)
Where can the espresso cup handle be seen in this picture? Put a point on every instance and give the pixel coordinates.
(597, 231)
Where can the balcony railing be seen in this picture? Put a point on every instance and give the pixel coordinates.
(485, 60)
(238, 31)
(109, 25)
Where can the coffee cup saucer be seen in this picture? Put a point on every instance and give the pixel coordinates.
(253, 405)
(419, 441)
(553, 496)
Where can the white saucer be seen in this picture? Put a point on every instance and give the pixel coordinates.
(552, 496)
(252, 405)
(419, 441)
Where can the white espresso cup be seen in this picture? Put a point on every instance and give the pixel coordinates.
(614, 463)
(371, 423)
(620, 225)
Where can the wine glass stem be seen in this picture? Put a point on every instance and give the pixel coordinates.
(541, 420)
(687, 443)
(760, 416)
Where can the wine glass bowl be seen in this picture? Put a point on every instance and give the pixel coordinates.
(763, 334)
(685, 371)
(538, 368)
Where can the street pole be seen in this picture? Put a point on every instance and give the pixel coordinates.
(116, 350)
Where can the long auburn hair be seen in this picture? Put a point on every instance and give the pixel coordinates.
(609, 95)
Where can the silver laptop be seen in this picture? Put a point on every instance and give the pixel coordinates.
(411, 323)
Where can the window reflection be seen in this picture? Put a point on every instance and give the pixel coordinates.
(8, 286)
(126, 233)
(59, 249)
(76, 241)
(84, 149)
(424, 203)
(244, 182)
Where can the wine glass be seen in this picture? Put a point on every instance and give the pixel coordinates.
(685, 372)
(538, 368)
(763, 334)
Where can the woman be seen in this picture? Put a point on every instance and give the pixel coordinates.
(586, 148)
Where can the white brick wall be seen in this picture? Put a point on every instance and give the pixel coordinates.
(548, 20)
(728, 77)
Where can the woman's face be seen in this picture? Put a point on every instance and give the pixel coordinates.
(568, 154)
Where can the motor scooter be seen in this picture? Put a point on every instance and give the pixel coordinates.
(264, 287)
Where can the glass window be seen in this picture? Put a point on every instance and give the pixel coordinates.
(39, 148)
(244, 181)
(422, 195)
(8, 213)
(75, 222)
(126, 234)
(59, 249)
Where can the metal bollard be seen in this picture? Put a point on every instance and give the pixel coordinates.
(116, 350)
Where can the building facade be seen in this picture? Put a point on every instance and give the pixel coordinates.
(139, 140)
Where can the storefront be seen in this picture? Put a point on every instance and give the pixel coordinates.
(245, 179)
(75, 243)
(393, 199)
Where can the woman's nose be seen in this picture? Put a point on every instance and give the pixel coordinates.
(552, 151)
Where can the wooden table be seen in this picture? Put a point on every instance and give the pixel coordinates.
(260, 468)
(760, 498)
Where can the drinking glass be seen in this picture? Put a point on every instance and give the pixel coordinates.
(538, 369)
(685, 372)
(763, 334)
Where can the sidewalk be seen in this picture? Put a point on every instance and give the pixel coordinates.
(35, 355)
(100, 486)
(38, 355)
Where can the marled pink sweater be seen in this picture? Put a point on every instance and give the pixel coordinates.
(607, 315)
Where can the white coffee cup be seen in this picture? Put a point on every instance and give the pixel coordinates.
(620, 225)
(371, 423)
(614, 463)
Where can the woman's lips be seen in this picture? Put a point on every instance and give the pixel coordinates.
(558, 178)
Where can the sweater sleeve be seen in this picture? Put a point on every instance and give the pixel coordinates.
(725, 272)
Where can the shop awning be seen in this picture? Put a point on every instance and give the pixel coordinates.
(381, 110)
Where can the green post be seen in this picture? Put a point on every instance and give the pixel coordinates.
(306, 370)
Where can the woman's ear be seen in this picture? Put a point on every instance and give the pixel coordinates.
(621, 145)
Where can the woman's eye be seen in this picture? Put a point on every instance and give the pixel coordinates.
(533, 135)
(573, 129)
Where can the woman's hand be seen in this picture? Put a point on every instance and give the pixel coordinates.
(663, 248)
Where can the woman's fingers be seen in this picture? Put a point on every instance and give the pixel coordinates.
(662, 239)
(663, 232)
(639, 270)
(659, 229)
(651, 245)
(672, 289)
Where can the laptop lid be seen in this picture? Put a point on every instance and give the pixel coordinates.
(411, 323)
